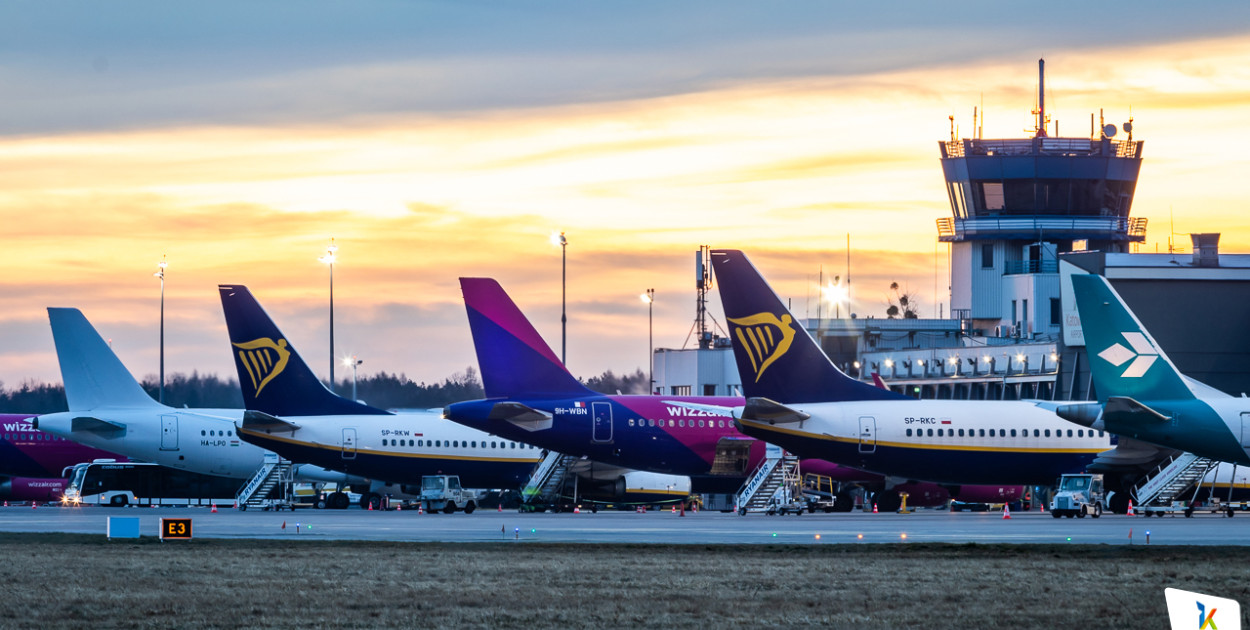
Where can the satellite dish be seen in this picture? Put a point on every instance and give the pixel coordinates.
(1109, 131)
(1128, 127)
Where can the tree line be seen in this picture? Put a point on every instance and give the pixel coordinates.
(382, 390)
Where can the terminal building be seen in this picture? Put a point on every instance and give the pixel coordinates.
(1026, 214)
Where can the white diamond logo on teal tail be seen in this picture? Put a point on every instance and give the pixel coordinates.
(1142, 354)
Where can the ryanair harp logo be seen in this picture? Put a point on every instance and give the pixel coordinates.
(263, 359)
(764, 338)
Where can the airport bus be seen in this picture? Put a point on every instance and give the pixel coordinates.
(113, 483)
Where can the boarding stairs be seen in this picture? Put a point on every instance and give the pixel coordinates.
(1167, 481)
(548, 478)
(779, 469)
(270, 487)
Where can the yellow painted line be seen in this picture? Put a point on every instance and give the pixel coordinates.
(932, 447)
(369, 451)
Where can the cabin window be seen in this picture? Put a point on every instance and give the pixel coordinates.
(1047, 432)
(1099, 433)
(909, 433)
(930, 432)
(961, 433)
(202, 433)
(982, 432)
(1037, 433)
(1080, 433)
(1013, 433)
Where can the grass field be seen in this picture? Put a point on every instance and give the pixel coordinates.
(83, 581)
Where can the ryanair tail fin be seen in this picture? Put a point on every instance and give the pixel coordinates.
(776, 357)
(93, 375)
(274, 379)
(513, 358)
(1124, 359)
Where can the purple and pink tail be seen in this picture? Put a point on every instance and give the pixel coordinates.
(513, 358)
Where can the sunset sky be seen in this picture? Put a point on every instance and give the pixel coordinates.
(438, 140)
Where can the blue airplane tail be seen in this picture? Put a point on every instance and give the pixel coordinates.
(274, 379)
(513, 358)
(776, 357)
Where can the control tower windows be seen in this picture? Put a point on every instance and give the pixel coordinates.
(993, 194)
(987, 256)
(1029, 197)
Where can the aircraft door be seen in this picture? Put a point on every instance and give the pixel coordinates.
(602, 428)
(349, 443)
(169, 433)
(1245, 431)
(867, 434)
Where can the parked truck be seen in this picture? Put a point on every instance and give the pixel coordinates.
(1078, 495)
(442, 493)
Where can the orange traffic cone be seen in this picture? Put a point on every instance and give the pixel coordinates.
(34, 504)
(6, 504)
(283, 524)
(235, 506)
(683, 508)
(214, 510)
(399, 507)
(577, 509)
(1006, 512)
(420, 508)
(874, 508)
(674, 510)
(1130, 508)
(370, 506)
(500, 506)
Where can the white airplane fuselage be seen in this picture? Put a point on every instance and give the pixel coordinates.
(400, 448)
(957, 442)
(202, 441)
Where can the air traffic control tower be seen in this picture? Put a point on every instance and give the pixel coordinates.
(1017, 203)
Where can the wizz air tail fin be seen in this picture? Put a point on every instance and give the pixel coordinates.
(274, 379)
(513, 358)
(93, 375)
(776, 357)
(1124, 359)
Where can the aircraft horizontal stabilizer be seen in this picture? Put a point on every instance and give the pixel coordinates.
(521, 415)
(1125, 409)
(102, 428)
(771, 411)
(261, 421)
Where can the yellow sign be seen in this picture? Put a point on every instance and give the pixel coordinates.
(764, 337)
(176, 528)
(263, 359)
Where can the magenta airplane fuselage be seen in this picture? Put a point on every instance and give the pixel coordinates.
(27, 452)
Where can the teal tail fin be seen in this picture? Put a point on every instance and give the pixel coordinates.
(1124, 359)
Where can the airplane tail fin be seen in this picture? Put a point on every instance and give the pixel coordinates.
(512, 356)
(93, 375)
(1124, 359)
(274, 379)
(776, 357)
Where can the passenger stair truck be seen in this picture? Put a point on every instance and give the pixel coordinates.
(1078, 495)
(270, 488)
(1158, 493)
(546, 485)
(442, 493)
(774, 486)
